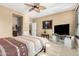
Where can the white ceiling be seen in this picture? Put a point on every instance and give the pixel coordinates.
(51, 8)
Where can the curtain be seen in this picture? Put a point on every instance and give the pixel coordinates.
(77, 22)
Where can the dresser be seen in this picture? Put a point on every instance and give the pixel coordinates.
(45, 36)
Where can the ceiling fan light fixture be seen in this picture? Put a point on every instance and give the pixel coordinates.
(36, 6)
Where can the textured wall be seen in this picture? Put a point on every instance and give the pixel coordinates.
(6, 21)
(67, 17)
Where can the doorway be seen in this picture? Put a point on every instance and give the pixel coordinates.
(17, 25)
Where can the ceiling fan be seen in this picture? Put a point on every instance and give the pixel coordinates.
(35, 6)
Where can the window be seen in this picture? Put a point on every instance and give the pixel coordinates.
(78, 21)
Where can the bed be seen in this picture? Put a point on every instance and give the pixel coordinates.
(22, 45)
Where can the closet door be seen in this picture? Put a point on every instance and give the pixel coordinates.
(33, 29)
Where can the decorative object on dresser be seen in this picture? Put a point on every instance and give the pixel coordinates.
(45, 31)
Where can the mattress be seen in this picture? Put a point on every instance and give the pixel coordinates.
(37, 44)
(30, 45)
(43, 40)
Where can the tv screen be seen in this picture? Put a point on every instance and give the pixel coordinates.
(47, 24)
(62, 29)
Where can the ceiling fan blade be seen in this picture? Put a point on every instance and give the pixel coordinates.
(28, 5)
(42, 7)
(36, 4)
(37, 10)
(31, 9)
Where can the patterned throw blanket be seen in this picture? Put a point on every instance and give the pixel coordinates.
(11, 47)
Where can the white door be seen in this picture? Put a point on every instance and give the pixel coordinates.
(33, 25)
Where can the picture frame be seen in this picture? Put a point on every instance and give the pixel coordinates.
(47, 24)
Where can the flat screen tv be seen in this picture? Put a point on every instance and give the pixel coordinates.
(47, 24)
(62, 29)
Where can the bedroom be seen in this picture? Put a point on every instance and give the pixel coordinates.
(31, 23)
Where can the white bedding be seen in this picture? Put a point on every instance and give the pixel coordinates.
(30, 45)
(43, 40)
(34, 44)
(38, 45)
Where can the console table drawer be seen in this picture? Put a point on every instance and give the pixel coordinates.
(45, 35)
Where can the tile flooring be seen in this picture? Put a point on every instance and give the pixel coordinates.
(58, 49)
